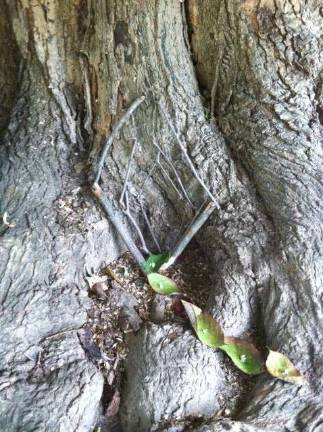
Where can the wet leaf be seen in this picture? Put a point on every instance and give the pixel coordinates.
(162, 284)
(207, 329)
(154, 262)
(244, 355)
(279, 366)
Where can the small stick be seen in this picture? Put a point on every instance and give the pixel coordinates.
(59, 333)
(175, 172)
(182, 147)
(200, 210)
(185, 26)
(149, 226)
(116, 220)
(121, 200)
(146, 178)
(178, 235)
(215, 82)
(190, 232)
(87, 93)
(127, 212)
(112, 274)
(169, 178)
(114, 134)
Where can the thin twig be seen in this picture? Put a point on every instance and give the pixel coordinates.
(121, 200)
(189, 233)
(127, 212)
(116, 219)
(169, 178)
(87, 93)
(175, 172)
(216, 78)
(114, 134)
(149, 226)
(179, 232)
(59, 333)
(199, 211)
(182, 147)
(185, 27)
(112, 274)
(146, 178)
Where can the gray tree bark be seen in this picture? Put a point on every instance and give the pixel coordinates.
(69, 71)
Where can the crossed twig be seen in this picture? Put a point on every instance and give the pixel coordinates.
(115, 214)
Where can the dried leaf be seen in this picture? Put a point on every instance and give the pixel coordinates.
(94, 279)
(113, 407)
(279, 366)
(154, 262)
(162, 284)
(6, 222)
(244, 355)
(207, 329)
(99, 289)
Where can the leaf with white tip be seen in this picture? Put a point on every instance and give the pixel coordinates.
(192, 312)
(207, 329)
(244, 355)
(279, 366)
(162, 284)
(154, 262)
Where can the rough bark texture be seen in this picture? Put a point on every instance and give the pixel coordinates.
(158, 351)
(81, 64)
(47, 382)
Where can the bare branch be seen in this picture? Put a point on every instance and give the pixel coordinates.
(182, 147)
(185, 26)
(179, 232)
(146, 178)
(114, 134)
(127, 212)
(190, 232)
(87, 93)
(169, 178)
(176, 173)
(116, 219)
(149, 226)
(121, 200)
(215, 82)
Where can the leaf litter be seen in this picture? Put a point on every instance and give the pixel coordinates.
(122, 301)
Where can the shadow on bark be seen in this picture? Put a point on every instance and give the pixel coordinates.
(262, 162)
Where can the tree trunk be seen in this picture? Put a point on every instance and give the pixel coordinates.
(240, 84)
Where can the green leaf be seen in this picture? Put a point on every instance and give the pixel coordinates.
(192, 312)
(279, 366)
(244, 355)
(154, 262)
(162, 284)
(207, 329)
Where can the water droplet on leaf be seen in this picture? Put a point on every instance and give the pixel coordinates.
(244, 355)
(162, 284)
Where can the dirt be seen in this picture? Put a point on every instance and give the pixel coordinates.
(122, 302)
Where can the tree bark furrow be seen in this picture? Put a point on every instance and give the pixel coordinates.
(258, 65)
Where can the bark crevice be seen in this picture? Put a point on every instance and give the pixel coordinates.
(262, 163)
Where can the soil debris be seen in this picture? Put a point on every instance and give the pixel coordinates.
(122, 301)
